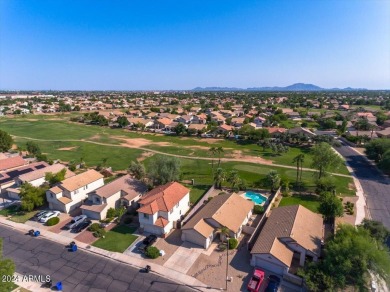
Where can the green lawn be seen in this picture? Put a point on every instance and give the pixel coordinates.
(117, 239)
(308, 201)
(16, 215)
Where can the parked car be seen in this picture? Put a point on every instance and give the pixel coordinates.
(40, 214)
(273, 284)
(49, 215)
(148, 241)
(76, 220)
(256, 281)
(81, 226)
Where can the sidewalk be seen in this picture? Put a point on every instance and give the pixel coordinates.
(132, 261)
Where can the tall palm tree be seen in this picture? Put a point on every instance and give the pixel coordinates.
(219, 151)
(299, 159)
(219, 178)
(233, 178)
(223, 232)
(212, 151)
(273, 180)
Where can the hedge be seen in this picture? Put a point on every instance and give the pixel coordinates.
(94, 227)
(52, 221)
(152, 252)
(257, 209)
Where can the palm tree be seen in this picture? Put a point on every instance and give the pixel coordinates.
(213, 151)
(219, 151)
(273, 180)
(223, 232)
(219, 178)
(299, 159)
(233, 178)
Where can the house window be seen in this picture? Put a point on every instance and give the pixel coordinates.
(76, 191)
(51, 196)
(177, 205)
(97, 200)
(146, 216)
(170, 212)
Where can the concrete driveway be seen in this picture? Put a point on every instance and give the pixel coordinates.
(184, 257)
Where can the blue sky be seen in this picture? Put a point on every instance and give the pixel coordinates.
(135, 45)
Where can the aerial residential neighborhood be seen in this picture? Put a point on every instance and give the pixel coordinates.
(174, 146)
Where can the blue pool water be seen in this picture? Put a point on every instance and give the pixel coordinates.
(256, 197)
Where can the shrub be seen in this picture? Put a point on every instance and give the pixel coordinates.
(111, 213)
(99, 233)
(257, 209)
(152, 252)
(233, 243)
(107, 220)
(221, 193)
(94, 227)
(209, 199)
(52, 221)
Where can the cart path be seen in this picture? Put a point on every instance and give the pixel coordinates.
(174, 155)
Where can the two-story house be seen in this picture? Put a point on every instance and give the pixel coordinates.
(71, 192)
(162, 207)
(122, 191)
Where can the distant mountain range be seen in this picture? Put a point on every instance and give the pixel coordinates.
(293, 87)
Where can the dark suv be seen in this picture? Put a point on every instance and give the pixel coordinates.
(148, 241)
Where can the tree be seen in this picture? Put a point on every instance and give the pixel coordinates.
(376, 149)
(122, 121)
(223, 232)
(325, 184)
(33, 148)
(219, 178)
(6, 141)
(299, 159)
(55, 178)
(219, 152)
(180, 129)
(7, 269)
(233, 178)
(377, 230)
(164, 169)
(32, 197)
(330, 206)
(325, 159)
(212, 151)
(273, 180)
(137, 169)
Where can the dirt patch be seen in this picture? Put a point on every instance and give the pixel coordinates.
(145, 155)
(349, 219)
(95, 137)
(351, 187)
(68, 148)
(237, 154)
(140, 142)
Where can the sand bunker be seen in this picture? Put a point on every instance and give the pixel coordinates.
(67, 148)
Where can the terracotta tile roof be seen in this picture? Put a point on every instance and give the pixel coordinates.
(281, 252)
(162, 198)
(295, 222)
(276, 130)
(126, 184)
(12, 162)
(40, 173)
(55, 190)
(64, 200)
(197, 126)
(161, 222)
(226, 127)
(94, 208)
(80, 180)
(165, 121)
(228, 210)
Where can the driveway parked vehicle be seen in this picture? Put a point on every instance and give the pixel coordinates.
(273, 284)
(81, 226)
(256, 281)
(76, 220)
(148, 241)
(40, 214)
(49, 215)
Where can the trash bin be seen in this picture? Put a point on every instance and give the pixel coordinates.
(31, 232)
(74, 247)
(36, 233)
(59, 286)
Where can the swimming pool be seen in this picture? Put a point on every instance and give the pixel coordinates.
(257, 198)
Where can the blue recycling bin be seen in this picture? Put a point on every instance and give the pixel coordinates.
(74, 247)
(59, 286)
(36, 233)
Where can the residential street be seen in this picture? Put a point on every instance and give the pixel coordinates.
(78, 271)
(375, 186)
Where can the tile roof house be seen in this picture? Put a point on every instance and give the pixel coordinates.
(12, 163)
(71, 192)
(162, 207)
(289, 232)
(112, 195)
(229, 210)
(37, 177)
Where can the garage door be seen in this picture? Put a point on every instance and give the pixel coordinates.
(269, 266)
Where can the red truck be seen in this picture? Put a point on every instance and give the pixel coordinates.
(256, 281)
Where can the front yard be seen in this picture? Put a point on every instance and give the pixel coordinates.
(117, 239)
(16, 215)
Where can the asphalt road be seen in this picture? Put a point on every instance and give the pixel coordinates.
(78, 271)
(376, 186)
